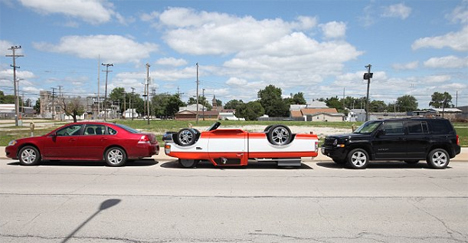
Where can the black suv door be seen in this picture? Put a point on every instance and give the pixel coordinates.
(391, 143)
(417, 140)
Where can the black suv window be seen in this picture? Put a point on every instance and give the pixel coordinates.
(417, 127)
(393, 127)
(440, 126)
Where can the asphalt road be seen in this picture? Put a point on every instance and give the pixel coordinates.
(156, 201)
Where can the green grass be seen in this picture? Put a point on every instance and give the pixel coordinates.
(159, 127)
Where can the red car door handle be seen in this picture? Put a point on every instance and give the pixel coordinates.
(103, 139)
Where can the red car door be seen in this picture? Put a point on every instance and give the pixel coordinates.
(63, 143)
(94, 141)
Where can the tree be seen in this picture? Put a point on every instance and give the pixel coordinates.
(118, 95)
(299, 99)
(407, 103)
(250, 111)
(377, 106)
(73, 108)
(440, 100)
(201, 100)
(37, 106)
(272, 102)
(233, 104)
(173, 105)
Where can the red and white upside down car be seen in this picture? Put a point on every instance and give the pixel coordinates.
(236, 147)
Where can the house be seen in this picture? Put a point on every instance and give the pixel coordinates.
(317, 114)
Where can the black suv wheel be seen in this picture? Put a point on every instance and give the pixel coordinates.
(438, 159)
(358, 159)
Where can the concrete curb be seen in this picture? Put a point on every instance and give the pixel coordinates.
(462, 157)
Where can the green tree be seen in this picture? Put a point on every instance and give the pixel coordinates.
(250, 111)
(334, 102)
(233, 104)
(118, 95)
(37, 106)
(173, 105)
(272, 102)
(440, 100)
(377, 106)
(406, 103)
(201, 100)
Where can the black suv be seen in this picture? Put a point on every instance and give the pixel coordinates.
(409, 140)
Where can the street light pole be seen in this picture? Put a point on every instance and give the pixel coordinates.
(368, 76)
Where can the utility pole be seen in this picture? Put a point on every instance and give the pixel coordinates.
(368, 76)
(98, 77)
(133, 93)
(107, 65)
(147, 92)
(203, 95)
(14, 56)
(197, 94)
(60, 99)
(53, 103)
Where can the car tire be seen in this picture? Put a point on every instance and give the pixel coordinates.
(357, 159)
(267, 128)
(29, 155)
(115, 157)
(438, 159)
(412, 162)
(339, 161)
(188, 163)
(279, 135)
(186, 137)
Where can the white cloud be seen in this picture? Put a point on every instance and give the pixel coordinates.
(211, 33)
(334, 30)
(406, 66)
(146, 17)
(455, 40)
(91, 11)
(460, 13)
(397, 11)
(111, 48)
(170, 61)
(294, 60)
(5, 46)
(437, 79)
(447, 62)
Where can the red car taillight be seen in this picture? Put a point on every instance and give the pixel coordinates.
(144, 139)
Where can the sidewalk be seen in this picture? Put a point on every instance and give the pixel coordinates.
(462, 157)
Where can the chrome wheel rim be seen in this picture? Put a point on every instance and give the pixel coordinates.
(439, 158)
(115, 156)
(359, 159)
(185, 137)
(280, 135)
(28, 156)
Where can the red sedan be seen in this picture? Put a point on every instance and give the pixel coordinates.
(113, 143)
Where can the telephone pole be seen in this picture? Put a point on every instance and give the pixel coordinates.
(14, 56)
(147, 91)
(197, 94)
(203, 95)
(107, 65)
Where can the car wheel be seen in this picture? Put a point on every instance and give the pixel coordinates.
(186, 137)
(339, 161)
(29, 155)
(412, 162)
(358, 159)
(115, 156)
(438, 159)
(188, 163)
(279, 135)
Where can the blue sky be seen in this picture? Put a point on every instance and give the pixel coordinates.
(319, 48)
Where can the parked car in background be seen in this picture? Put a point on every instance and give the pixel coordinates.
(236, 147)
(98, 141)
(409, 140)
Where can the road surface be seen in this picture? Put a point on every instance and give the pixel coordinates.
(156, 201)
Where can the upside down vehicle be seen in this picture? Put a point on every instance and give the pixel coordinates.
(236, 147)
